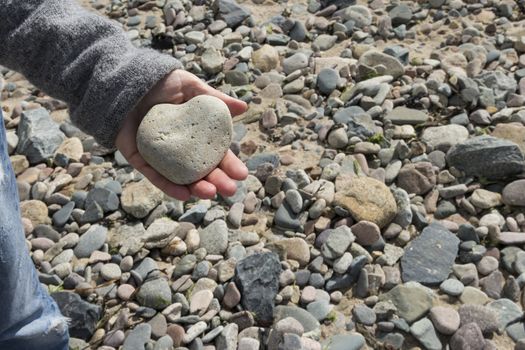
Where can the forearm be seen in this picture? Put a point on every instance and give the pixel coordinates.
(81, 58)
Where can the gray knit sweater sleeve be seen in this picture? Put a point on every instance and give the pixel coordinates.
(81, 58)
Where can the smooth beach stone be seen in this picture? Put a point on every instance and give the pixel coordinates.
(186, 142)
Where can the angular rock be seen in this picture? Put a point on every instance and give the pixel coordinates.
(39, 136)
(257, 277)
(140, 198)
(411, 299)
(429, 258)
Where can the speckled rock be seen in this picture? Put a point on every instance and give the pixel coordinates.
(185, 142)
(368, 199)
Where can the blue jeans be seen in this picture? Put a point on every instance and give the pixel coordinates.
(29, 318)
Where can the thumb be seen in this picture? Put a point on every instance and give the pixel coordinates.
(235, 106)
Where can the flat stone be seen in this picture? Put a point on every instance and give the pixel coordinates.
(403, 115)
(110, 272)
(363, 314)
(473, 156)
(200, 133)
(200, 301)
(429, 258)
(411, 299)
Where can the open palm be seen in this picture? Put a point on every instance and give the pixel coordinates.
(178, 87)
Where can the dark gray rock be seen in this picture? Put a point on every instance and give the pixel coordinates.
(401, 14)
(349, 278)
(261, 158)
(257, 277)
(230, 12)
(327, 80)
(487, 157)
(106, 199)
(285, 218)
(429, 258)
(363, 314)
(39, 136)
(195, 214)
(62, 216)
(83, 315)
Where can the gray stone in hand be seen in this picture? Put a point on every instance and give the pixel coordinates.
(186, 142)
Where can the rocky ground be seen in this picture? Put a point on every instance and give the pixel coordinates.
(385, 207)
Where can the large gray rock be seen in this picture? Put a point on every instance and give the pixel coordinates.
(185, 142)
(257, 277)
(411, 299)
(155, 293)
(488, 157)
(429, 258)
(39, 136)
(230, 12)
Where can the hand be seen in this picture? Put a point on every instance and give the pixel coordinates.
(178, 87)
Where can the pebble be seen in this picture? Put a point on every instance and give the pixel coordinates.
(445, 319)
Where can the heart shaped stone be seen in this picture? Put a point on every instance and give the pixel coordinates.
(186, 142)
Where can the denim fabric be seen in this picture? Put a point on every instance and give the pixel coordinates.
(29, 318)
